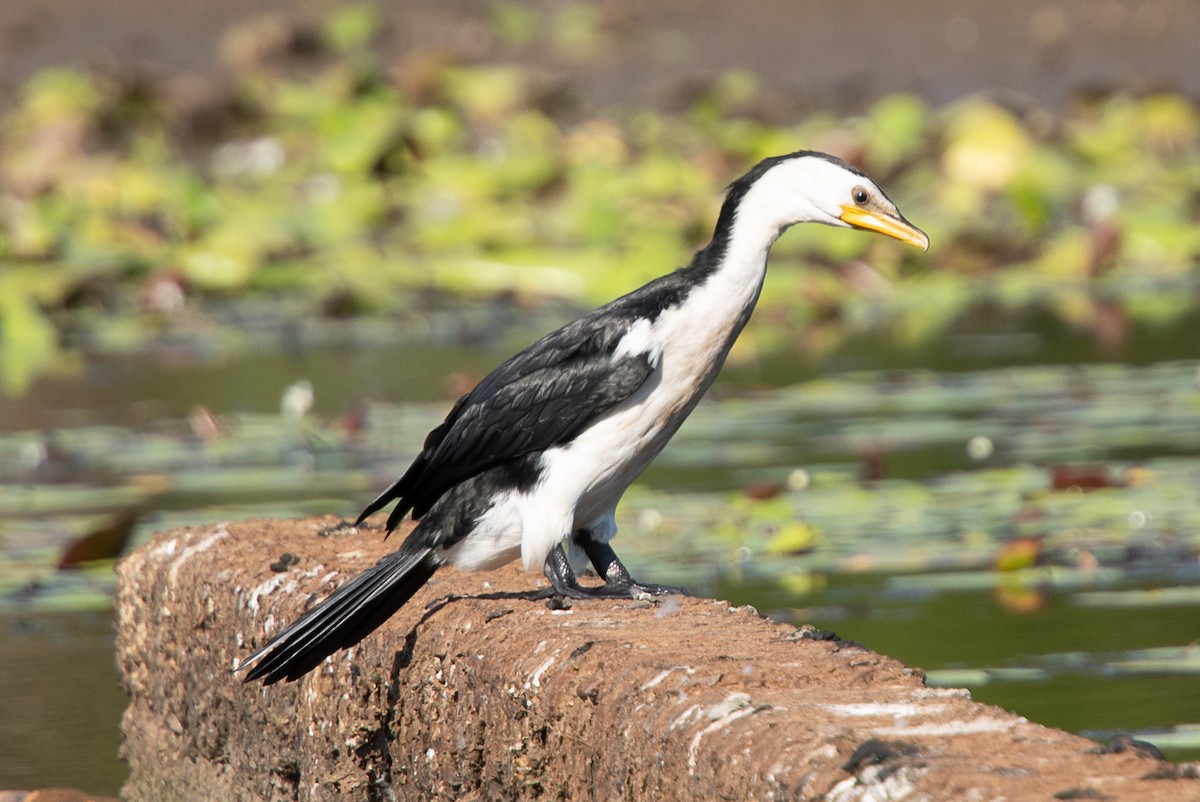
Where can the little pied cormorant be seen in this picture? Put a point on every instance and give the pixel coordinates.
(544, 447)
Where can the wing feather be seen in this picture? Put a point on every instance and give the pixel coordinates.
(540, 398)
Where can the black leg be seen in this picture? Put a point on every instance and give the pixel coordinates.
(615, 574)
(562, 576)
(564, 583)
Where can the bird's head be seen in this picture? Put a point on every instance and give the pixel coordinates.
(811, 187)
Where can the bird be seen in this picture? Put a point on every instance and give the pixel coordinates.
(540, 452)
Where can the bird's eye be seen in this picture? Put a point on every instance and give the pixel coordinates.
(861, 196)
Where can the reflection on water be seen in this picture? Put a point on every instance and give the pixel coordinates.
(887, 485)
(63, 706)
(371, 361)
(1057, 665)
(62, 703)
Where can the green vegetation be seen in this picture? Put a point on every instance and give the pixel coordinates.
(332, 178)
(1027, 531)
(1008, 526)
(1025, 480)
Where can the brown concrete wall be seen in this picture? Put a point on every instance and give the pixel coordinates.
(475, 692)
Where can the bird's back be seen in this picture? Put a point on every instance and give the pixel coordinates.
(539, 398)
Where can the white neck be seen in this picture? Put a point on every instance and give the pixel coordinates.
(735, 286)
(757, 223)
(750, 241)
(774, 202)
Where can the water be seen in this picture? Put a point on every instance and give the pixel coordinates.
(62, 703)
(901, 562)
(69, 736)
(1051, 663)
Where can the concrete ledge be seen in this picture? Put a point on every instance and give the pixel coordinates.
(473, 691)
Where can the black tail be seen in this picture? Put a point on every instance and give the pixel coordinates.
(397, 490)
(407, 489)
(353, 611)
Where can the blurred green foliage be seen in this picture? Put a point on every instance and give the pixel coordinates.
(356, 184)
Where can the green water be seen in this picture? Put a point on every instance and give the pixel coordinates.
(899, 522)
(61, 721)
(1051, 665)
(62, 703)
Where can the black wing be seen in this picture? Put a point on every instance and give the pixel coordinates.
(540, 398)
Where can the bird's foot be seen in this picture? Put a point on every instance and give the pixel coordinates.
(617, 579)
(618, 584)
(636, 589)
(616, 575)
(582, 592)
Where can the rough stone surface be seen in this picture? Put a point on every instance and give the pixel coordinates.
(474, 691)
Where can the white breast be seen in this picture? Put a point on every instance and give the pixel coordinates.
(688, 345)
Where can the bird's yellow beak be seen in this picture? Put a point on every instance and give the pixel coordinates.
(883, 223)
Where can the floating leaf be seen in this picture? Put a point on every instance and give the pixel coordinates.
(28, 341)
(986, 146)
(107, 541)
(352, 26)
(895, 130)
(485, 93)
(793, 537)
